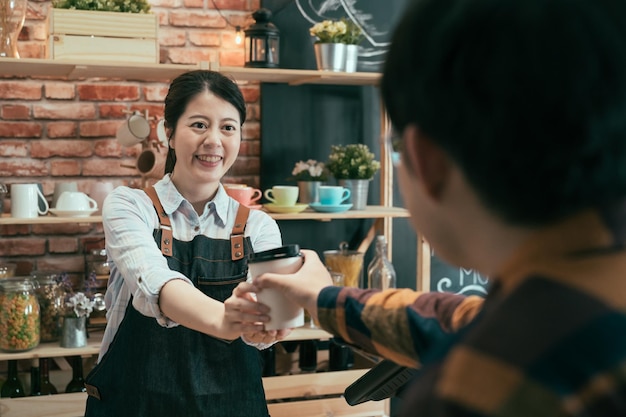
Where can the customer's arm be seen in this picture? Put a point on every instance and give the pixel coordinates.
(400, 325)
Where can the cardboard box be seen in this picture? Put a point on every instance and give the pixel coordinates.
(86, 35)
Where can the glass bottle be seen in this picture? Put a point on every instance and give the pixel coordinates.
(12, 387)
(19, 315)
(307, 356)
(46, 386)
(340, 356)
(380, 272)
(35, 379)
(77, 384)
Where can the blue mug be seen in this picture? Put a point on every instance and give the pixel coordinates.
(331, 195)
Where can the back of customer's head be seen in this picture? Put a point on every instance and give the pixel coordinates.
(528, 97)
(186, 87)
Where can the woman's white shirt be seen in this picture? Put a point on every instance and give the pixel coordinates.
(138, 267)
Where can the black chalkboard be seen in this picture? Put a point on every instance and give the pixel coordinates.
(301, 122)
(447, 278)
(294, 18)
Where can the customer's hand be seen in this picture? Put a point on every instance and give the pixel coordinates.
(302, 287)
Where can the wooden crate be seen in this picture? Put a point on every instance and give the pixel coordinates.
(85, 35)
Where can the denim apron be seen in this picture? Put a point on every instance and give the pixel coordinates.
(152, 371)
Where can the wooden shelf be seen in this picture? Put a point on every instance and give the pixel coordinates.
(78, 70)
(54, 350)
(371, 212)
(6, 219)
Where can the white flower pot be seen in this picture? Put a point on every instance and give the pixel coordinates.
(352, 58)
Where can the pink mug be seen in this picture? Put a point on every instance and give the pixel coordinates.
(247, 196)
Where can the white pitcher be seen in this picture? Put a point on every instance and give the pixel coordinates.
(25, 201)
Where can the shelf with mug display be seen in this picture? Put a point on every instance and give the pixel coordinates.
(7, 219)
(54, 349)
(371, 212)
(75, 70)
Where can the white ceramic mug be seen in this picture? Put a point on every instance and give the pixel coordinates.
(99, 191)
(282, 195)
(75, 201)
(60, 188)
(135, 130)
(284, 313)
(25, 200)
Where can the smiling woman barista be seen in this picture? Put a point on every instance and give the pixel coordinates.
(177, 250)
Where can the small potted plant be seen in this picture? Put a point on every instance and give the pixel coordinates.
(336, 44)
(310, 175)
(74, 329)
(354, 166)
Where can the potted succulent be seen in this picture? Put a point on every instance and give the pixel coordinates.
(309, 174)
(354, 166)
(337, 44)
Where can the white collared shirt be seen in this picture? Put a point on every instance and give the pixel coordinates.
(138, 267)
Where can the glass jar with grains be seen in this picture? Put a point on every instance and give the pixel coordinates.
(50, 295)
(19, 314)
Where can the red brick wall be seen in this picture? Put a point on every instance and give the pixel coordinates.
(54, 130)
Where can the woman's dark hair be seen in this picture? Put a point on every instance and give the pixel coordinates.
(528, 97)
(187, 86)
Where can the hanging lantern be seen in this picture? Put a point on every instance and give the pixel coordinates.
(262, 39)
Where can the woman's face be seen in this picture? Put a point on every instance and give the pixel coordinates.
(206, 141)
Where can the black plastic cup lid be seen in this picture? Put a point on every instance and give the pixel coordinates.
(286, 251)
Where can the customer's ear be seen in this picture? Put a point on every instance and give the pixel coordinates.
(426, 160)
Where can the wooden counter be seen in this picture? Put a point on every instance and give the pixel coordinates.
(296, 388)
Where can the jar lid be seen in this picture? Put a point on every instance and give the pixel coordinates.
(17, 284)
(45, 277)
(99, 252)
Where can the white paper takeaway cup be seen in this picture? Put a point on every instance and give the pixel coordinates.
(284, 313)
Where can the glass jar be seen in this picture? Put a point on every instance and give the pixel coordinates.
(3, 194)
(7, 270)
(19, 314)
(97, 262)
(50, 296)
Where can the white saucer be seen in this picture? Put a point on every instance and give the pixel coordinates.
(72, 213)
(326, 208)
(274, 208)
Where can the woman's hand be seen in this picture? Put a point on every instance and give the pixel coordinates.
(267, 337)
(243, 314)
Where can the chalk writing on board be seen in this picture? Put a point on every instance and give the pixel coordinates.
(468, 280)
(373, 17)
(459, 280)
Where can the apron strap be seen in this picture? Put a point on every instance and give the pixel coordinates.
(236, 237)
(164, 222)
